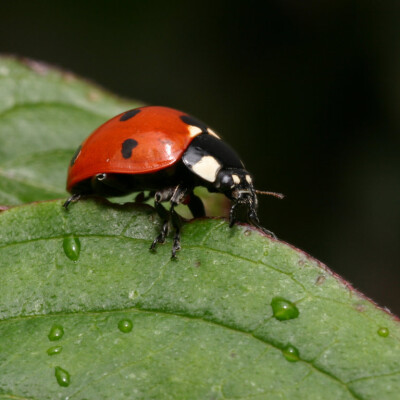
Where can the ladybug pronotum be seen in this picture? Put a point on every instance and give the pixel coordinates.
(168, 153)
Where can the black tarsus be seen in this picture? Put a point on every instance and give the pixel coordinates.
(252, 219)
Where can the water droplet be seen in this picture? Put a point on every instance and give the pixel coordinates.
(384, 332)
(125, 325)
(56, 332)
(72, 247)
(51, 351)
(291, 353)
(284, 309)
(63, 377)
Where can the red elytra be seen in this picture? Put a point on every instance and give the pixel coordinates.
(160, 135)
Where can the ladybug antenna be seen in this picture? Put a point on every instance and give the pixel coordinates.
(277, 195)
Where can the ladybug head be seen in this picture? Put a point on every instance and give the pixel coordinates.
(234, 183)
(237, 185)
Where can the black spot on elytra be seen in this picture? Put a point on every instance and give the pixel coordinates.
(187, 119)
(127, 147)
(75, 156)
(129, 114)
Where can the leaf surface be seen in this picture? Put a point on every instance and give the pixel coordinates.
(134, 324)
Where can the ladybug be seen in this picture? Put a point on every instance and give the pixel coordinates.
(168, 153)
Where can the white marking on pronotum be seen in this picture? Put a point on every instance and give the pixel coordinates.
(248, 178)
(194, 130)
(211, 132)
(207, 168)
(236, 179)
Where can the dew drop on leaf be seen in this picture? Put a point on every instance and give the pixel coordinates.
(56, 332)
(125, 325)
(384, 332)
(51, 351)
(63, 377)
(284, 309)
(291, 353)
(72, 247)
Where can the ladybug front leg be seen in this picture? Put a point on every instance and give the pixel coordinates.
(253, 219)
(196, 206)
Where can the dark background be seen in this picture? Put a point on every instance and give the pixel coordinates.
(308, 93)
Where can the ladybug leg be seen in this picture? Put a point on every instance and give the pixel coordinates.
(196, 206)
(232, 216)
(73, 198)
(161, 237)
(176, 223)
(175, 195)
(253, 219)
(177, 198)
(141, 197)
(164, 215)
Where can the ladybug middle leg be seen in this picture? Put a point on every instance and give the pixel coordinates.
(175, 195)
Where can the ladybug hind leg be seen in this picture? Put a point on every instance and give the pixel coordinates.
(73, 198)
(142, 197)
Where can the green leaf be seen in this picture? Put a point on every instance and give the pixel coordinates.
(88, 312)
(45, 114)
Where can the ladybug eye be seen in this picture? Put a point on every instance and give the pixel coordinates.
(227, 182)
